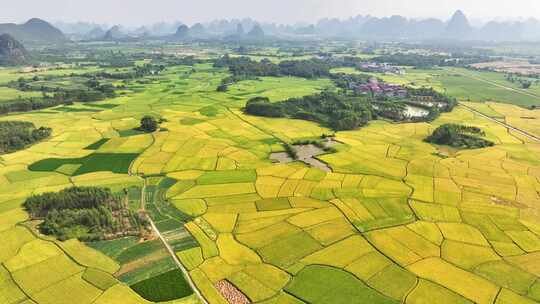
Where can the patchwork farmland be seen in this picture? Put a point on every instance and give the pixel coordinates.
(397, 220)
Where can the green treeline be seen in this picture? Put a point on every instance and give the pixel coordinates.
(243, 68)
(336, 111)
(450, 102)
(351, 108)
(86, 213)
(459, 136)
(17, 135)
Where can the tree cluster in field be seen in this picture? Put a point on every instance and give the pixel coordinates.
(345, 111)
(139, 71)
(524, 83)
(429, 61)
(17, 135)
(435, 95)
(319, 143)
(29, 104)
(86, 213)
(290, 150)
(336, 111)
(148, 69)
(149, 124)
(244, 68)
(350, 81)
(448, 103)
(186, 60)
(459, 136)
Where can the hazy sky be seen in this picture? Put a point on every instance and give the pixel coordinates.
(133, 12)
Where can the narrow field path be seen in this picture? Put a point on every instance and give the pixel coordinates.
(170, 250)
(507, 126)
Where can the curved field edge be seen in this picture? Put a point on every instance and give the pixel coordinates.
(401, 218)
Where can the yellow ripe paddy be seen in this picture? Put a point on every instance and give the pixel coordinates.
(397, 220)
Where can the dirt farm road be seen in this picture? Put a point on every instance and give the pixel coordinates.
(170, 250)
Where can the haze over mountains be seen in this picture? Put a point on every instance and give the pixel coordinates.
(392, 28)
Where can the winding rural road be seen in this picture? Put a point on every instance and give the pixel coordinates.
(507, 126)
(170, 250)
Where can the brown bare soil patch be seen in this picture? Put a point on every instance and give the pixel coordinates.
(231, 293)
(511, 66)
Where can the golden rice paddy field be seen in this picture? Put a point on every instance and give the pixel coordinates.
(396, 221)
(521, 118)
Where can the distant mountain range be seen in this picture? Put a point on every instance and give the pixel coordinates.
(393, 28)
(457, 27)
(34, 30)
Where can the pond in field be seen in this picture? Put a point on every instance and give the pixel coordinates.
(415, 112)
(410, 111)
(306, 154)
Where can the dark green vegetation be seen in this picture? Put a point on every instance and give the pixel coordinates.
(289, 149)
(86, 213)
(149, 124)
(459, 136)
(319, 143)
(356, 103)
(322, 284)
(243, 68)
(329, 109)
(17, 135)
(110, 162)
(164, 287)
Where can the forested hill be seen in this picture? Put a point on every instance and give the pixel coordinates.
(34, 30)
(12, 52)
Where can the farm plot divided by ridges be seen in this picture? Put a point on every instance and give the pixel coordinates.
(396, 221)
